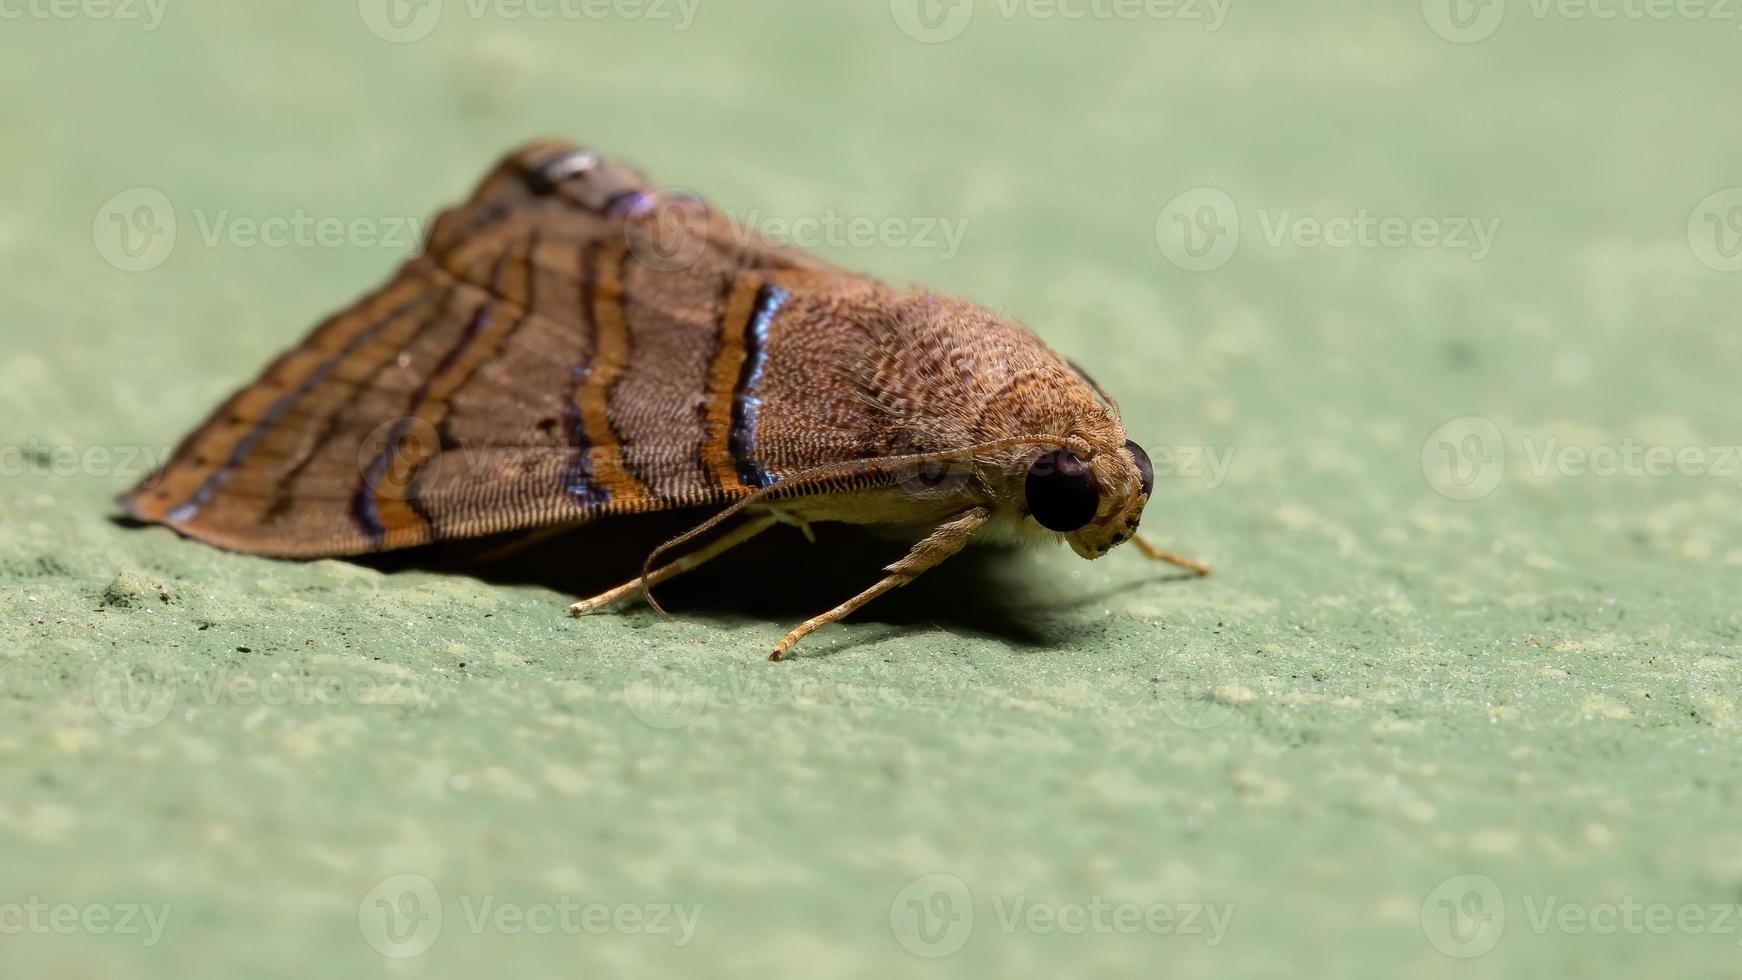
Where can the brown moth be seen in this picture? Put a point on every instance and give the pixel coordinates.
(573, 343)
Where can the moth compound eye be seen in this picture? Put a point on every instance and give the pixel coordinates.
(1062, 492)
(1144, 468)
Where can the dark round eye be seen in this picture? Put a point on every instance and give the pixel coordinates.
(1062, 492)
(1144, 469)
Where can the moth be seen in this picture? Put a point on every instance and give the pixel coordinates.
(574, 343)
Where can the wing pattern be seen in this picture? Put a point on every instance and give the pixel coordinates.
(571, 344)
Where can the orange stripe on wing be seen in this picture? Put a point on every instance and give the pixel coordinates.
(388, 497)
(176, 494)
(610, 359)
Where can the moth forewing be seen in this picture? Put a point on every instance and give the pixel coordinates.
(575, 344)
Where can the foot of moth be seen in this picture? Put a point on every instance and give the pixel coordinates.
(605, 600)
(808, 627)
(943, 542)
(622, 594)
(834, 615)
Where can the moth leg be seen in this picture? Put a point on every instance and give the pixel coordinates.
(803, 525)
(1189, 564)
(941, 544)
(689, 562)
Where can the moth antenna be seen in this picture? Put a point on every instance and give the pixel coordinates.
(858, 467)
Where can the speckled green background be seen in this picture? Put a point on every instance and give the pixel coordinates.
(1383, 689)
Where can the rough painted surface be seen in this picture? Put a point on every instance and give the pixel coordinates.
(1383, 689)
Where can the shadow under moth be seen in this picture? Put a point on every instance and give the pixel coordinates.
(574, 344)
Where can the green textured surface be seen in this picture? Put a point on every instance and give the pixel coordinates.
(1382, 689)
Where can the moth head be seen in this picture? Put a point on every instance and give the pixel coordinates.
(1095, 503)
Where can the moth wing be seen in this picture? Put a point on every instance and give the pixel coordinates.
(567, 347)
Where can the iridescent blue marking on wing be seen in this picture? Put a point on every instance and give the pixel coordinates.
(747, 403)
(578, 474)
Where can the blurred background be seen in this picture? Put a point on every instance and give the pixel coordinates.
(1426, 310)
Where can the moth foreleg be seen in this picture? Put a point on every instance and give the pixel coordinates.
(929, 553)
(689, 562)
(1190, 564)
